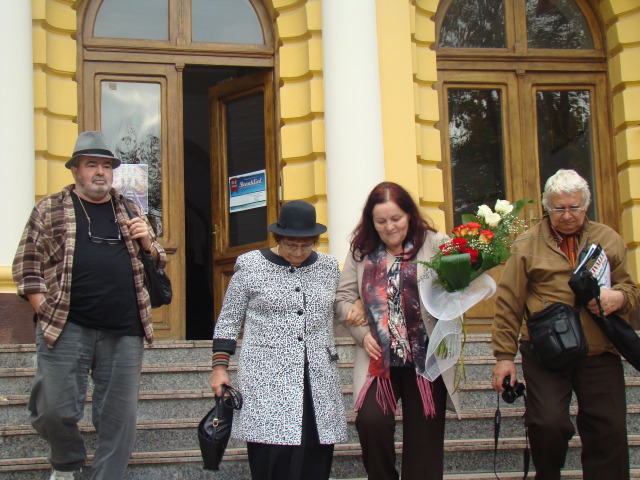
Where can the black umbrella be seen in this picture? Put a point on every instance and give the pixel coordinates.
(214, 429)
(619, 332)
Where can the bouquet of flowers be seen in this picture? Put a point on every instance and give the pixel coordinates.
(478, 245)
(454, 280)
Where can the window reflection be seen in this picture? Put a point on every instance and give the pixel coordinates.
(474, 24)
(476, 143)
(564, 136)
(225, 21)
(131, 122)
(133, 19)
(557, 24)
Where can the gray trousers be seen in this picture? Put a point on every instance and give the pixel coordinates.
(59, 392)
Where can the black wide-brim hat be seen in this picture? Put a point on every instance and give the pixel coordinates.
(297, 219)
(92, 144)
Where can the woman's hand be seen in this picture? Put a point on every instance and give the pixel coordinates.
(371, 346)
(356, 316)
(219, 377)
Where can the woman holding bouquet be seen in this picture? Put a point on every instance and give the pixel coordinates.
(378, 298)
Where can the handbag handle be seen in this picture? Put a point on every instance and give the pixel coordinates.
(230, 397)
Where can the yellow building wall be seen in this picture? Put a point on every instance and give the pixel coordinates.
(408, 71)
(55, 92)
(622, 23)
(302, 105)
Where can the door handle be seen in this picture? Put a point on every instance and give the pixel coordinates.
(214, 234)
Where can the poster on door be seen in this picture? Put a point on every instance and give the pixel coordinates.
(132, 181)
(247, 191)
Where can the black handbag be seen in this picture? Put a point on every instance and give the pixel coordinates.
(155, 279)
(557, 336)
(214, 429)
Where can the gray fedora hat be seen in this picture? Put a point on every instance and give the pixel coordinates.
(297, 219)
(92, 144)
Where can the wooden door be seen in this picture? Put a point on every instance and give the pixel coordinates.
(506, 133)
(244, 172)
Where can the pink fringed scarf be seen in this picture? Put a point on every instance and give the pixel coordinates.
(374, 297)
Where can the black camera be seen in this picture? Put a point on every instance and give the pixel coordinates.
(511, 393)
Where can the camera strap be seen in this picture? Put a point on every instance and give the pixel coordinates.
(497, 420)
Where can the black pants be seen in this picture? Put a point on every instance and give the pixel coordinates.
(598, 382)
(308, 461)
(422, 438)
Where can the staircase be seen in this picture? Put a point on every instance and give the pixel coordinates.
(174, 395)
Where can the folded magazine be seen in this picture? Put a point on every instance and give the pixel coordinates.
(595, 262)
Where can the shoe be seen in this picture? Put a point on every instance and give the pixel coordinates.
(57, 475)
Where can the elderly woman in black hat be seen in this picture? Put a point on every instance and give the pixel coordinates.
(293, 412)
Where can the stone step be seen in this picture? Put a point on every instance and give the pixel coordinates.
(175, 394)
(162, 404)
(178, 351)
(473, 454)
(164, 376)
(179, 433)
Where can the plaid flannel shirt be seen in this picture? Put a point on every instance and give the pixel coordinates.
(44, 260)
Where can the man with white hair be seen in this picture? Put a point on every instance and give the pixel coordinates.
(78, 264)
(537, 275)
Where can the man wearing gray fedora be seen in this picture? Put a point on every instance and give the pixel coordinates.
(78, 265)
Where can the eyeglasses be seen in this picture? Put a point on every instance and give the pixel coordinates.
(561, 211)
(305, 247)
(108, 241)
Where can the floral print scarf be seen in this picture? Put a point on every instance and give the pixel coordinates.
(375, 299)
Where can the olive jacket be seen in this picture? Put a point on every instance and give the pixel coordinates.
(537, 274)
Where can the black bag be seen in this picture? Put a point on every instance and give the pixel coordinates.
(155, 279)
(214, 429)
(620, 333)
(556, 336)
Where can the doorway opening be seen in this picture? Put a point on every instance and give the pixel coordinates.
(197, 80)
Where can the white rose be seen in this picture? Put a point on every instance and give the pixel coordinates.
(483, 211)
(503, 206)
(492, 219)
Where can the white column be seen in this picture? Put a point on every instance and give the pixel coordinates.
(17, 164)
(353, 120)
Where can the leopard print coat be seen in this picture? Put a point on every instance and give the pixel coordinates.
(287, 312)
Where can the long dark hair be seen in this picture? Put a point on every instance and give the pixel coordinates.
(365, 238)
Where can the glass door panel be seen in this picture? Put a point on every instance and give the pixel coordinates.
(131, 122)
(243, 172)
(245, 168)
(476, 148)
(565, 136)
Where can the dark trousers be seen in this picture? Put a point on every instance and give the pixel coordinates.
(422, 438)
(598, 382)
(310, 460)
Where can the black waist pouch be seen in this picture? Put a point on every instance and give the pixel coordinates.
(557, 336)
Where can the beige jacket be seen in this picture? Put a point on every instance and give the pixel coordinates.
(349, 290)
(537, 274)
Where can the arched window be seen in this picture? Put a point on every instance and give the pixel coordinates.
(524, 93)
(212, 21)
